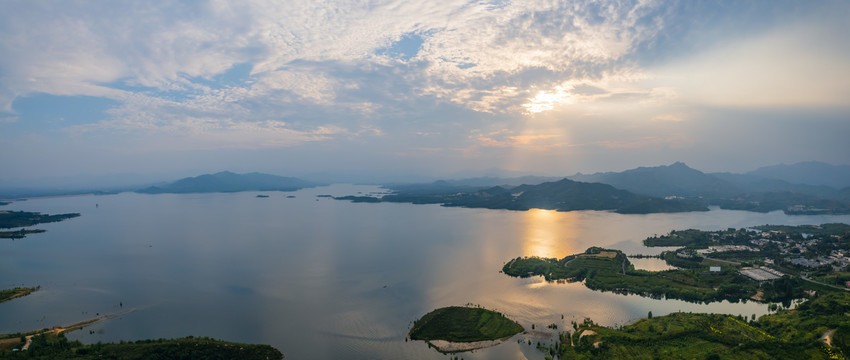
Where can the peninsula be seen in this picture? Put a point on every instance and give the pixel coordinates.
(769, 263)
(9, 294)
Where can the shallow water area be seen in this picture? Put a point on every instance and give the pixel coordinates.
(322, 278)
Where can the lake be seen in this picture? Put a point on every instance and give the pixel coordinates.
(321, 278)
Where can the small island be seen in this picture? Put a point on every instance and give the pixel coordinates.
(459, 328)
(13, 219)
(9, 294)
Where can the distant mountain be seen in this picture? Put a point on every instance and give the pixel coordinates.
(676, 179)
(748, 191)
(442, 186)
(226, 181)
(563, 195)
(752, 183)
(810, 173)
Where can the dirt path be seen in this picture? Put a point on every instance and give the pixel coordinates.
(56, 330)
(827, 337)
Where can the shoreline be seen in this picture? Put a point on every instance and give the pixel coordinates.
(445, 346)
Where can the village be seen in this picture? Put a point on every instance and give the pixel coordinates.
(765, 253)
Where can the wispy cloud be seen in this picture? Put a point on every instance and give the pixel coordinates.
(480, 78)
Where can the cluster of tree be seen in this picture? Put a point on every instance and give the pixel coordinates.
(13, 219)
(463, 324)
(50, 346)
(788, 334)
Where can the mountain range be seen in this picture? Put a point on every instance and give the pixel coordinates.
(764, 189)
(562, 195)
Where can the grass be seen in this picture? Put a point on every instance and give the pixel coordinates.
(463, 324)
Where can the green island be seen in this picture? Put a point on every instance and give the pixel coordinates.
(816, 329)
(13, 219)
(461, 324)
(9, 294)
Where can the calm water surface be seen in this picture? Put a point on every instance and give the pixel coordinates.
(320, 278)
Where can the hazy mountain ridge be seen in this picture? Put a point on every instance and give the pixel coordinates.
(226, 181)
(808, 173)
(562, 195)
(735, 191)
(469, 184)
(676, 179)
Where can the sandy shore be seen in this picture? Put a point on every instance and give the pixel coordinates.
(448, 346)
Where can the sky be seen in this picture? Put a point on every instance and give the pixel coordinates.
(441, 88)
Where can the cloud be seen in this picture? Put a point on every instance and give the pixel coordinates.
(507, 139)
(168, 46)
(480, 78)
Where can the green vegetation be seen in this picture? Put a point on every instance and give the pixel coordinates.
(52, 346)
(823, 229)
(9, 294)
(463, 324)
(789, 334)
(19, 234)
(13, 219)
(610, 270)
(699, 239)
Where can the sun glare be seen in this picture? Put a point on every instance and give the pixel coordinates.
(547, 100)
(545, 233)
